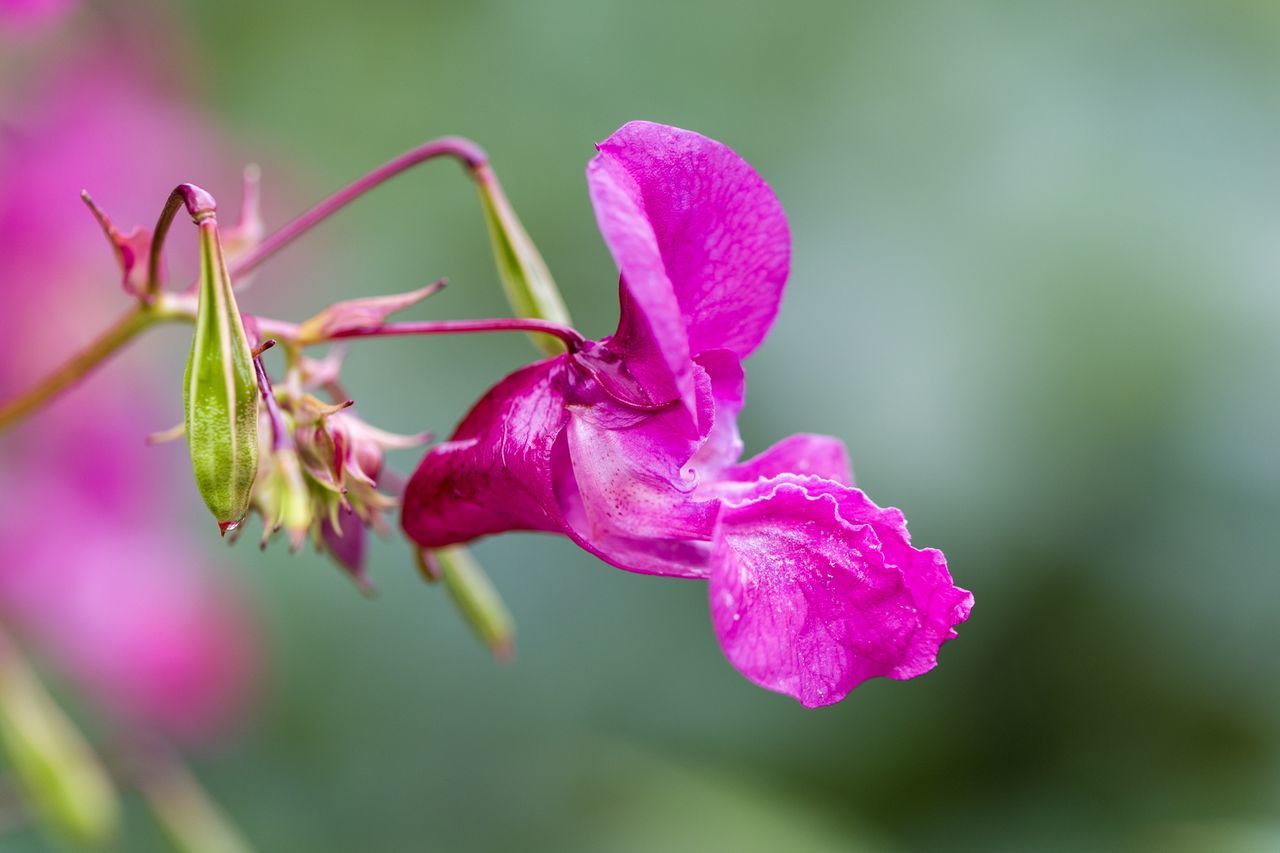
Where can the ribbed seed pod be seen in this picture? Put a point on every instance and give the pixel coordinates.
(220, 391)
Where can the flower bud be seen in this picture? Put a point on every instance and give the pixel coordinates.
(283, 499)
(345, 542)
(220, 390)
(528, 283)
(477, 599)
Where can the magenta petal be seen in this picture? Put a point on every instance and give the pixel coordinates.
(940, 604)
(650, 346)
(687, 217)
(722, 445)
(810, 602)
(682, 558)
(804, 454)
(627, 469)
(651, 335)
(494, 474)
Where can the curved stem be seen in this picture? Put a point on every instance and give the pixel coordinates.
(117, 335)
(572, 339)
(201, 206)
(198, 203)
(158, 306)
(471, 156)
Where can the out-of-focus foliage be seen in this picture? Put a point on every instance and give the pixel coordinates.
(1035, 250)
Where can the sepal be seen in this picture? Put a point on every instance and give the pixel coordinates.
(356, 313)
(131, 250)
(526, 280)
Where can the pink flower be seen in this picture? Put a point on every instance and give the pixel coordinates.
(26, 13)
(125, 610)
(630, 445)
(94, 573)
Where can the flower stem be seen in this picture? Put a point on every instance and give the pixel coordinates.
(158, 306)
(136, 319)
(572, 339)
(56, 769)
(471, 155)
(175, 308)
(197, 202)
(189, 816)
(279, 429)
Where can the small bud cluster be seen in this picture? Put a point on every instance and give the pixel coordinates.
(320, 479)
(293, 452)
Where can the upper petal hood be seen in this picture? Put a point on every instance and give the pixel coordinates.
(702, 244)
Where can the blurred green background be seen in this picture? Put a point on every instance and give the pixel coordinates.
(1034, 289)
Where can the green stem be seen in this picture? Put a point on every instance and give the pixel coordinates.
(58, 772)
(192, 820)
(116, 336)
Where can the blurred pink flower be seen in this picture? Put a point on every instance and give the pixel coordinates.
(126, 610)
(95, 571)
(25, 13)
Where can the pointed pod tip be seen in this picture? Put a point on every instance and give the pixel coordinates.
(503, 650)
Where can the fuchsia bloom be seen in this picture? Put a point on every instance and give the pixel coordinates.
(31, 12)
(630, 446)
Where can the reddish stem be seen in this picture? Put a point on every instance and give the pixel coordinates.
(471, 156)
(572, 339)
(199, 204)
(121, 332)
(280, 439)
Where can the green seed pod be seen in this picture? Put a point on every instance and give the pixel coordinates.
(220, 391)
